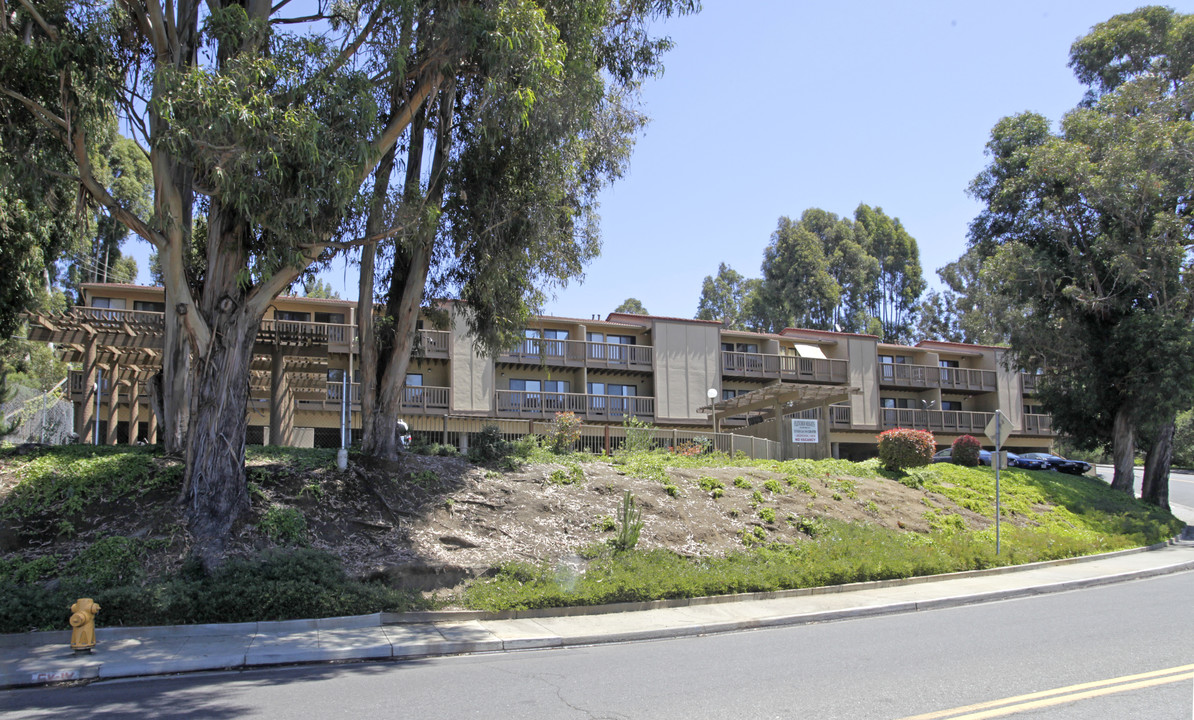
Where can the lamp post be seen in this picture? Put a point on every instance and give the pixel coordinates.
(712, 395)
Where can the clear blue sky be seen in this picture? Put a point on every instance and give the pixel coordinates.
(768, 108)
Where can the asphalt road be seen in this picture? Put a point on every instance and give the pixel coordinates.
(885, 667)
(1181, 490)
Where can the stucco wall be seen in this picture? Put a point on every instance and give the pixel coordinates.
(472, 375)
(864, 360)
(687, 363)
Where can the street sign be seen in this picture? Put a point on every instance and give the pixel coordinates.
(999, 429)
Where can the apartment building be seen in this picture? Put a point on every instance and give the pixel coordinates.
(670, 372)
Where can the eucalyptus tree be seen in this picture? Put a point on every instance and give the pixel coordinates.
(634, 306)
(1087, 236)
(272, 122)
(899, 283)
(723, 298)
(496, 196)
(796, 272)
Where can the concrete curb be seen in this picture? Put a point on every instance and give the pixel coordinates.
(195, 648)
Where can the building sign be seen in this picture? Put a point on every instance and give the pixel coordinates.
(805, 431)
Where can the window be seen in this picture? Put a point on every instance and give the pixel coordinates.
(112, 303)
(949, 363)
(951, 405)
(595, 337)
(329, 317)
(147, 306)
(896, 359)
(620, 339)
(726, 394)
(1034, 410)
(896, 403)
(414, 379)
(740, 347)
(291, 316)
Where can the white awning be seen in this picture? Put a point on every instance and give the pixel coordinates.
(809, 351)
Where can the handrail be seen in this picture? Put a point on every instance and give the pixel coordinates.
(787, 367)
(932, 376)
(545, 404)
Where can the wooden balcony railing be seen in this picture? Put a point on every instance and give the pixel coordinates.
(433, 343)
(107, 317)
(784, 367)
(578, 353)
(947, 421)
(420, 400)
(929, 376)
(517, 403)
(616, 355)
(1038, 425)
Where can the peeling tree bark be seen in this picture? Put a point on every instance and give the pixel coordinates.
(1156, 468)
(1123, 449)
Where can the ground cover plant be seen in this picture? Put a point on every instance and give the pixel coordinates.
(103, 522)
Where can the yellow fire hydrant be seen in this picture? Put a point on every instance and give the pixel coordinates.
(82, 622)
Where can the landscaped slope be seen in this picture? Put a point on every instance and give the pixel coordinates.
(101, 522)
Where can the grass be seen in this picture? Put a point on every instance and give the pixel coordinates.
(66, 480)
(1049, 516)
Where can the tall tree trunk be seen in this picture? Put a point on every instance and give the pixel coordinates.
(1123, 450)
(175, 384)
(215, 478)
(215, 491)
(407, 280)
(1156, 468)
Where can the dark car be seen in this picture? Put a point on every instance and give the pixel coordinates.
(1060, 464)
(1026, 463)
(984, 458)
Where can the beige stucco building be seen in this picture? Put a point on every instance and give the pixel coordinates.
(657, 369)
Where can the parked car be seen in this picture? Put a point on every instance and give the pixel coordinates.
(984, 458)
(1026, 463)
(1060, 464)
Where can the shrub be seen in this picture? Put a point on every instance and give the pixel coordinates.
(965, 451)
(488, 446)
(901, 448)
(563, 432)
(285, 526)
(638, 435)
(630, 524)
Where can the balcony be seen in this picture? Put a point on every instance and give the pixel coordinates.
(1028, 383)
(946, 421)
(783, 367)
(432, 344)
(1037, 425)
(579, 353)
(520, 404)
(420, 400)
(896, 375)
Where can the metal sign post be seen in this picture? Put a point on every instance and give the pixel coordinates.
(998, 431)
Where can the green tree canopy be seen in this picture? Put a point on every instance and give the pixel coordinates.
(1085, 237)
(632, 305)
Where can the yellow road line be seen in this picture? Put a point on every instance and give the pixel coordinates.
(1045, 698)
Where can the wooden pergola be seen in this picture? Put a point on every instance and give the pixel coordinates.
(783, 399)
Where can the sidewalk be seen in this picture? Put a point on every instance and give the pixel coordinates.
(43, 658)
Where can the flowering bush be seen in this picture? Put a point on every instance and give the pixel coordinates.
(900, 449)
(965, 451)
(563, 433)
